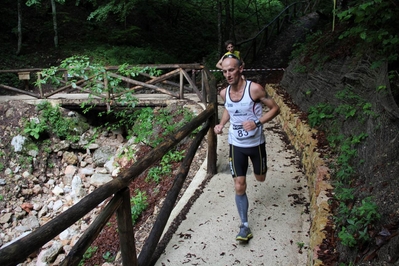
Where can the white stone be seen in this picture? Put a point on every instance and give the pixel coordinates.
(57, 191)
(57, 205)
(18, 142)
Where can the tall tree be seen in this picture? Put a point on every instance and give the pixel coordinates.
(220, 30)
(19, 27)
(54, 15)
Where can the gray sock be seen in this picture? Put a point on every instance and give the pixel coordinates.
(242, 207)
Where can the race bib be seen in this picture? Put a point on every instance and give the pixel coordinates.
(240, 133)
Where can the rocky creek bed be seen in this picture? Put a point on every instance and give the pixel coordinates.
(37, 185)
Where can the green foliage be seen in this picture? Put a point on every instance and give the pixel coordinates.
(143, 127)
(354, 222)
(352, 103)
(319, 113)
(346, 154)
(120, 8)
(374, 24)
(108, 256)
(139, 204)
(94, 74)
(54, 122)
(146, 120)
(1, 197)
(35, 127)
(88, 254)
(157, 172)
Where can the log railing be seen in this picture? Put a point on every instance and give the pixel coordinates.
(118, 191)
(173, 71)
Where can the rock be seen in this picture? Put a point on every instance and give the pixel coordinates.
(67, 234)
(18, 142)
(58, 191)
(61, 146)
(47, 256)
(102, 154)
(86, 171)
(57, 205)
(100, 179)
(70, 170)
(70, 158)
(5, 217)
(109, 165)
(77, 189)
(27, 206)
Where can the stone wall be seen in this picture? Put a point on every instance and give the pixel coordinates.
(302, 138)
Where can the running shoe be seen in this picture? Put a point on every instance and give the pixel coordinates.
(244, 234)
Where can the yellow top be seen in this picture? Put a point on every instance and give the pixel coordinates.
(236, 53)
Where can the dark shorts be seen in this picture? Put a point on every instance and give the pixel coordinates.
(238, 159)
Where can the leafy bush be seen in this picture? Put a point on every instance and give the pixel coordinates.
(139, 204)
(354, 222)
(157, 172)
(374, 24)
(320, 112)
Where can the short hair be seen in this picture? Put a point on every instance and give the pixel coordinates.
(232, 56)
(226, 43)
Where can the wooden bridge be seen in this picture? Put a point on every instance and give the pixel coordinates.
(177, 82)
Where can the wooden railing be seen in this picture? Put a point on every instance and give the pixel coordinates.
(252, 46)
(196, 82)
(118, 190)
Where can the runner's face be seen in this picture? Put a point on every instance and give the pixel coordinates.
(230, 48)
(231, 70)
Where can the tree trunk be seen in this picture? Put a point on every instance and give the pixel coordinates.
(19, 27)
(227, 25)
(220, 31)
(232, 26)
(54, 12)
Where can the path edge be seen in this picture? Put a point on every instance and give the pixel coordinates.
(301, 136)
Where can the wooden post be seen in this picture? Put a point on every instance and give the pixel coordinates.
(40, 84)
(192, 83)
(193, 75)
(65, 76)
(204, 87)
(108, 98)
(181, 90)
(125, 229)
(212, 139)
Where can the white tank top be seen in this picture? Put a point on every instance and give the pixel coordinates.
(243, 110)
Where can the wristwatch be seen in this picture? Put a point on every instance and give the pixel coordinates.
(257, 123)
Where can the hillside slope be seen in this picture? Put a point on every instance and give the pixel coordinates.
(342, 93)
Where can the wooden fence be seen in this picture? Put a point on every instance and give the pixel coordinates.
(118, 190)
(197, 81)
